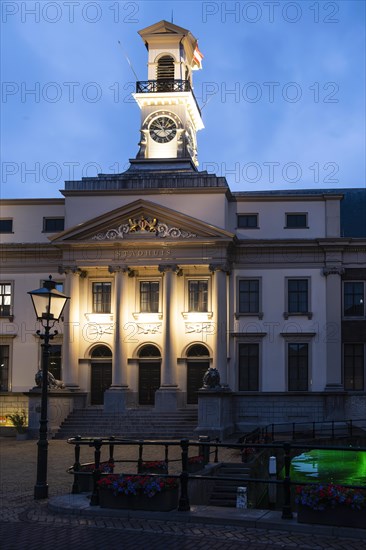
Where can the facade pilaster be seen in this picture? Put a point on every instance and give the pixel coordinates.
(219, 307)
(70, 371)
(116, 398)
(166, 398)
(333, 327)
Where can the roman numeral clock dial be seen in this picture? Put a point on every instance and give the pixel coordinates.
(163, 129)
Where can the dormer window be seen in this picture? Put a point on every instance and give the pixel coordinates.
(165, 68)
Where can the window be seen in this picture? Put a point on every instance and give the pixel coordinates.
(6, 226)
(297, 296)
(296, 220)
(297, 363)
(353, 367)
(52, 225)
(165, 68)
(247, 221)
(248, 367)
(198, 295)
(4, 368)
(101, 297)
(249, 296)
(6, 300)
(55, 360)
(149, 296)
(353, 299)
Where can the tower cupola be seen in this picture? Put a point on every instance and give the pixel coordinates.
(170, 115)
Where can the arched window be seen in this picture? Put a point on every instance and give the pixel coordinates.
(100, 352)
(165, 69)
(198, 350)
(149, 351)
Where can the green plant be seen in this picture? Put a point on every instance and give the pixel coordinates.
(322, 496)
(137, 484)
(19, 421)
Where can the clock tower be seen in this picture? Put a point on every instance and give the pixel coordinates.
(170, 116)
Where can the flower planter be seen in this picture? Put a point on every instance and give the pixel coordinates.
(161, 502)
(340, 516)
(85, 482)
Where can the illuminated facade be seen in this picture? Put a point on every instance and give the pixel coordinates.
(169, 272)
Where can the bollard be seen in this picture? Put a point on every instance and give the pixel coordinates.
(272, 489)
(241, 497)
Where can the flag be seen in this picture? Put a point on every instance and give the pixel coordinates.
(197, 58)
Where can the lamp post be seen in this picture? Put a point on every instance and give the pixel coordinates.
(48, 304)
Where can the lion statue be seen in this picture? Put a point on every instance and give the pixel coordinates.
(52, 383)
(211, 379)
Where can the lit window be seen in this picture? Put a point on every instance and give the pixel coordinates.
(298, 367)
(6, 300)
(248, 367)
(247, 221)
(6, 226)
(298, 296)
(354, 367)
(249, 296)
(353, 299)
(53, 225)
(296, 220)
(101, 297)
(149, 296)
(198, 295)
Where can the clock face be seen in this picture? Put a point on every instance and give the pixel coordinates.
(163, 129)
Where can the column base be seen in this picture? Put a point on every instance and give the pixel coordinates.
(168, 399)
(117, 399)
(72, 387)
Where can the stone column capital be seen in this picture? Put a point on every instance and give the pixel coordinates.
(333, 270)
(121, 269)
(225, 267)
(173, 268)
(72, 270)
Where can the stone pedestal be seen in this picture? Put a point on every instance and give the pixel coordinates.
(215, 413)
(60, 404)
(117, 399)
(168, 399)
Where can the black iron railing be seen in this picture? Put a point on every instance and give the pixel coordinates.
(284, 451)
(157, 86)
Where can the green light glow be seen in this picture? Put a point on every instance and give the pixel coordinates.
(347, 467)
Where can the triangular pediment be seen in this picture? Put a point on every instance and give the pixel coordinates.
(142, 220)
(162, 27)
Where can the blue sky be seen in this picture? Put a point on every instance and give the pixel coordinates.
(282, 90)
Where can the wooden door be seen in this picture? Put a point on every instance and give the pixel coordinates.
(101, 379)
(195, 373)
(149, 382)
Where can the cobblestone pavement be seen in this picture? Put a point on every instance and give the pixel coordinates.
(28, 524)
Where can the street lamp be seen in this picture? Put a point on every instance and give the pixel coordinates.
(48, 304)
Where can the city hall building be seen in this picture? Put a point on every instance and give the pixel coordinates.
(169, 273)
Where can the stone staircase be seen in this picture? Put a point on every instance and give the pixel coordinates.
(224, 491)
(133, 424)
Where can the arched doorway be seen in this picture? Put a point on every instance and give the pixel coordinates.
(149, 374)
(101, 373)
(197, 364)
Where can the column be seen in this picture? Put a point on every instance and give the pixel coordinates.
(117, 396)
(167, 397)
(219, 306)
(333, 327)
(70, 371)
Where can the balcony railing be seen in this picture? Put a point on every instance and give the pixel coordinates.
(164, 86)
(153, 86)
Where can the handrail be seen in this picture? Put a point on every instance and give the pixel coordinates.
(165, 86)
(184, 476)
